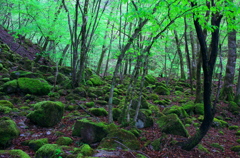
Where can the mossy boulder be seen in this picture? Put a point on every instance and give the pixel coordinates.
(6, 103)
(80, 91)
(162, 90)
(90, 104)
(90, 132)
(123, 136)
(49, 151)
(10, 86)
(86, 150)
(144, 120)
(47, 113)
(171, 124)
(233, 107)
(34, 86)
(236, 148)
(116, 113)
(144, 103)
(153, 96)
(162, 102)
(36, 144)
(192, 108)
(156, 144)
(177, 88)
(15, 153)
(150, 79)
(176, 110)
(219, 123)
(101, 102)
(64, 141)
(98, 111)
(96, 80)
(27, 74)
(8, 131)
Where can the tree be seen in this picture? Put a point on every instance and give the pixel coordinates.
(208, 62)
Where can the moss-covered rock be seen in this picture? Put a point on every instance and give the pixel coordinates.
(27, 74)
(123, 136)
(153, 96)
(219, 123)
(144, 120)
(8, 131)
(171, 124)
(161, 90)
(64, 141)
(234, 127)
(192, 108)
(176, 110)
(15, 153)
(47, 113)
(236, 148)
(49, 151)
(73, 96)
(156, 144)
(101, 102)
(34, 86)
(90, 104)
(177, 88)
(150, 79)
(98, 111)
(144, 103)
(233, 107)
(90, 132)
(36, 144)
(80, 91)
(6, 103)
(96, 80)
(116, 113)
(86, 150)
(10, 86)
(218, 146)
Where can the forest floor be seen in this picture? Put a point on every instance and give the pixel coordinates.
(223, 136)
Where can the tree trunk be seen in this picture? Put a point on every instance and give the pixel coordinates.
(208, 66)
(237, 96)
(227, 90)
(180, 55)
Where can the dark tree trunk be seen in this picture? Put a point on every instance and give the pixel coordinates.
(208, 66)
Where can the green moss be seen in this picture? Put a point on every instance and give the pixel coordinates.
(219, 123)
(150, 79)
(123, 136)
(153, 97)
(10, 86)
(36, 144)
(236, 148)
(156, 144)
(98, 111)
(47, 113)
(179, 93)
(161, 90)
(6, 103)
(237, 133)
(235, 127)
(48, 150)
(5, 110)
(96, 80)
(233, 107)
(86, 150)
(238, 141)
(101, 102)
(199, 109)
(64, 141)
(8, 131)
(89, 131)
(34, 86)
(218, 146)
(177, 88)
(202, 148)
(176, 110)
(90, 104)
(15, 153)
(171, 124)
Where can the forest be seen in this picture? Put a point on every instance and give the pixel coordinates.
(119, 78)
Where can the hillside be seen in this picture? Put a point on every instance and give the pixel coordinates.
(76, 119)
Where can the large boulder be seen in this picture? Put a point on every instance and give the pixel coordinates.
(90, 132)
(171, 124)
(34, 86)
(14, 153)
(8, 131)
(118, 138)
(49, 151)
(47, 113)
(176, 110)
